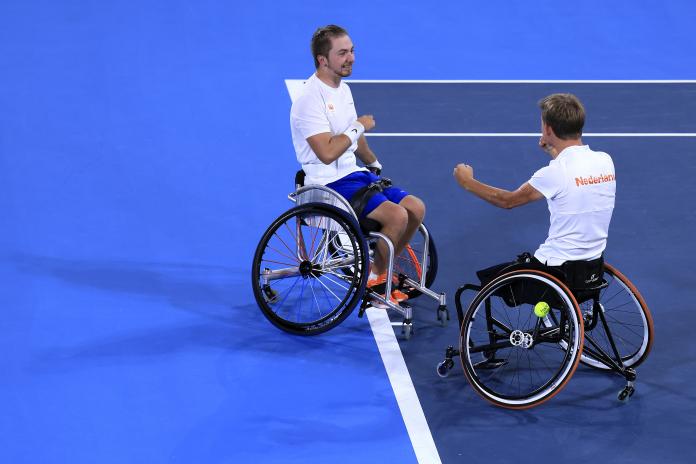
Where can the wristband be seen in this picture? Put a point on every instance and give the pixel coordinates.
(375, 164)
(354, 131)
(375, 167)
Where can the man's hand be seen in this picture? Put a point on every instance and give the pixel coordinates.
(544, 145)
(463, 173)
(368, 122)
(375, 167)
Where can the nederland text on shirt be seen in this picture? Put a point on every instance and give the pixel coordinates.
(594, 180)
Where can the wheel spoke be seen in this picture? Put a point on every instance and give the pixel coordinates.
(329, 290)
(286, 245)
(326, 290)
(279, 262)
(512, 372)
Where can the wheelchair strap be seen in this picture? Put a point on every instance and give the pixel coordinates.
(359, 200)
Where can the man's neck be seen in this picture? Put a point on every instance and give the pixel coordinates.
(329, 79)
(563, 144)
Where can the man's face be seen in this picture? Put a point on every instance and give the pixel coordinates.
(545, 132)
(341, 56)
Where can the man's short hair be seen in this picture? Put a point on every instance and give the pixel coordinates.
(321, 41)
(564, 113)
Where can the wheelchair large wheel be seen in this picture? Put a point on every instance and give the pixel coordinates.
(511, 356)
(410, 262)
(298, 274)
(628, 318)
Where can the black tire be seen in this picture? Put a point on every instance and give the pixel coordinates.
(629, 321)
(282, 272)
(510, 356)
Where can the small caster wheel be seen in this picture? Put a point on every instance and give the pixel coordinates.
(407, 330)
(443, 315)
(626, 394)
(443, 368)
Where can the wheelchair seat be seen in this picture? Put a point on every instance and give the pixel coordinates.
(367, 225)
(582, 283)
(321, 244)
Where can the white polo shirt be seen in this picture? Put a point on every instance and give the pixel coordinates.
(580, 187)
(322, 108)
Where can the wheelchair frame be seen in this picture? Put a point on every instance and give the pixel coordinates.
(335, 199)
(319, 194)
(590, 352)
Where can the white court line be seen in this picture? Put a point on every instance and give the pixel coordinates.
(525, 134)
(513, 81)
(296, 84)
(404, 391)
(401, 383)
(294, 87)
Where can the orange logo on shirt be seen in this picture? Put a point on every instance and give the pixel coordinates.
(591, 180)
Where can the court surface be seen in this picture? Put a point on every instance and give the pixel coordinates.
(145, 147)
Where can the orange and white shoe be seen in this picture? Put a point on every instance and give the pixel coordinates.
(397, 296)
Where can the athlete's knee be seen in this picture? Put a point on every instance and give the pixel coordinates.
(397, 218)
(415, 207)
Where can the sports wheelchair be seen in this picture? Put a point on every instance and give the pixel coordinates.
(527, 329)
(310, 268)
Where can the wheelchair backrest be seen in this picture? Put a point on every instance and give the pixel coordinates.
(322, 194)
(305, 194)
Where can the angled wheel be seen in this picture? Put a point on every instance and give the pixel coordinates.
(628, 318)
(513, 356)
(299, 274)
(410, 262)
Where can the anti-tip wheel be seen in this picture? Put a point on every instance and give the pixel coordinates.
(443, 369)
(626, 394)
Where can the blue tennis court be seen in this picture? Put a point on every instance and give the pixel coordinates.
(145, 148)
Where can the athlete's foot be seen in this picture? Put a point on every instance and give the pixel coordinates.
(378, 285)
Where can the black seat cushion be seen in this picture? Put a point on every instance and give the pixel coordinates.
(583, 279)
(369, 225)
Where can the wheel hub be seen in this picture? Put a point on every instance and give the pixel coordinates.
(521, 339)
(306, 268)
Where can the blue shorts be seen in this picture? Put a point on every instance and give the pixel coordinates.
(347, 186)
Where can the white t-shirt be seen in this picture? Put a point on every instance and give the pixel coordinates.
(321, 108)
(580, 187)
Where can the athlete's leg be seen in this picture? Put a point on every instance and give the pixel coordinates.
(415, 208)
(394, 220)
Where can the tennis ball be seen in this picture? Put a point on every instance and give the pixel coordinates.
(541, 309)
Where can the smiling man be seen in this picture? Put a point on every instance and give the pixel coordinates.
(329, 139)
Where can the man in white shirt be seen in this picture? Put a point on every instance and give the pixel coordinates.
(579, 185)
(328, 136)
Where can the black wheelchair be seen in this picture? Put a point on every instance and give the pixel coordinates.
(527, 329)
(310, 268)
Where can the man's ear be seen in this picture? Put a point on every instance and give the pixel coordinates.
(548, 131)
